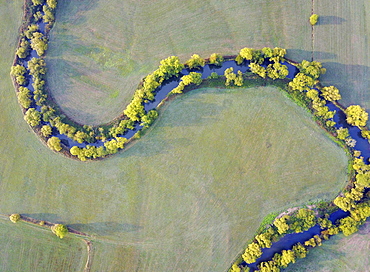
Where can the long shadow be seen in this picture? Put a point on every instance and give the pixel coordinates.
(73, 11)
(51, 217)
(105, 228)
(299, 55)
(353, 81)
(331, 20)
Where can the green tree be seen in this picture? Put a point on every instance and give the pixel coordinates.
(299, 251)
(330, 93)
(15, 217)
(37, 67)
(342, 133)
(46, 130)
(301, 82)
(314, 19)
(258, 69)
(149, 118)
(252, 253)
(169, 67)
(195, 62)
(24, 97)
(39, 43)
(38, 2)
(19, 71)
(313, 69)
(23, 49)
(216, 59)
(54, 143)
(356, 116)
(59, 230)
(348, 225)
(52, 3)
(32, 117)
(281, 224)
(277, 70)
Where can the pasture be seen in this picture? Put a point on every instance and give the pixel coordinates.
(28, 248)
(340, 253)
(193, 190)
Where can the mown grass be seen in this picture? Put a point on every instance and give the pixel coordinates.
(340, 253)
(99, 51)
(28, 248)
(342, 45)
(195, 188)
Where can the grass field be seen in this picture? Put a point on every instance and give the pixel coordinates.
(193, 190)
(28, 248)
(340, 253)
(99, 52)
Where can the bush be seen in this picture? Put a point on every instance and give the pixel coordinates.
(313, 19)
(59, 230)
(15, 217)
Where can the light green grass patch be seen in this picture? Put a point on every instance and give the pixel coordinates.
(28, 248)
(97, 48)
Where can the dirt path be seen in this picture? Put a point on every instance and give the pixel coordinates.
(89, 255)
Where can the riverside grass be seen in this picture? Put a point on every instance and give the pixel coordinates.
(340, 253)
(27, 154)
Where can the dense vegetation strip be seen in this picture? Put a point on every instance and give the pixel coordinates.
(85, 142)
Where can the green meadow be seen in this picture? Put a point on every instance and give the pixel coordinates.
(194, 189)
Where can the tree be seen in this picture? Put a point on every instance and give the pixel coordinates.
(169, 67)
(313, 19)
(52, 3)
(258, 69)
(303, 220)
(342, 133)
(269, 266)
(348, 225)
(54, 143)
(19, 71)
(216, 59)
(195, 62)
(301, 82)
(356, 116)
(281, 224)
(252, 253)
(38, 2)
(264, 240)
(24, 97)
(37, 67)
(46, 130)
(313, 69)
(287, 257)
(330, 93)
(59, 230)
(135, 110)
(299, 250)
(277, 70)
(232, 78)
(23, 49)
(48, 14)
(32, 117)
(15, 217)
(149, 118)
(39, 43)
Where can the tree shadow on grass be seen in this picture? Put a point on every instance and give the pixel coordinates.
(73, 11)
(353, 81)
(331, 20)
(299, 55)
(105, 228)
(51, 217)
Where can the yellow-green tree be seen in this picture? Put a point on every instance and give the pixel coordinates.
(356, 116)
(54, 143)
(59, 230)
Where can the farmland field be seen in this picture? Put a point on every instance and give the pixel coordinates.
(28, 248)
(194, 189)
(339, 254)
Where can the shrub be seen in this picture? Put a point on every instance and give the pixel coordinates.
(59, 230)
(313, 19)
(15, 217)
